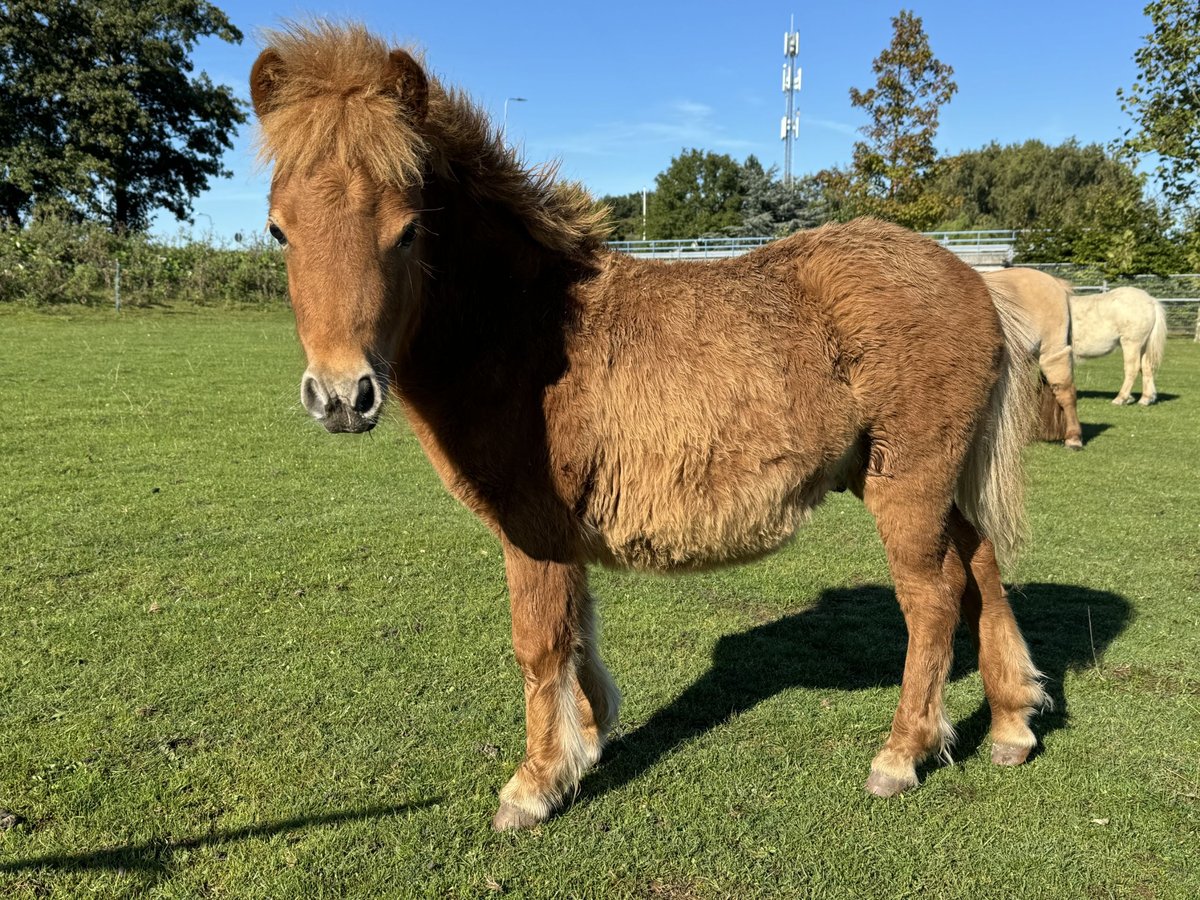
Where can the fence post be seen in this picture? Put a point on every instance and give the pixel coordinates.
(117, 286)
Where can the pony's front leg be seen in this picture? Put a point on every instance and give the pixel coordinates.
(570, 700)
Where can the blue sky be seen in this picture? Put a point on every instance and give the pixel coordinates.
(616, 89)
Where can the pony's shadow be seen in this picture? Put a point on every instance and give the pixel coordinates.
(852, 639)
(1092, 430)
(1111, 395)
(152, 860)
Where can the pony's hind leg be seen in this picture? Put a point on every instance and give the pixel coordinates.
(570, 700)
(1133, 354)
(1012, 684)
(1149, 391)
(928, 586)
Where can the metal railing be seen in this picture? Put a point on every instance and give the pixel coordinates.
(724, 247)
(989, 239)
(692, 248)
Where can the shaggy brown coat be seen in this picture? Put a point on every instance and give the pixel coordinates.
(594, 408)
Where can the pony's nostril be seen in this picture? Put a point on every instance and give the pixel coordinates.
(364, 398)
(310, 396)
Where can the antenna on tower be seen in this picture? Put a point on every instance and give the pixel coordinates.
(789, 126)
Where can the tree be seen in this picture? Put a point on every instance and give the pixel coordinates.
(1164, 99)
(772, 209)
(890, 167)
(1073, 202)
(699, 194)
(624, 215)
(99, 114)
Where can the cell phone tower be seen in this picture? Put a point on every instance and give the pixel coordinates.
(789, 126)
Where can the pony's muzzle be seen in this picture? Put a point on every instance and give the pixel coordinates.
(342, 404)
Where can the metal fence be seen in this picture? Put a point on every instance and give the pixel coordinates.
(724, 247)
(692, 248)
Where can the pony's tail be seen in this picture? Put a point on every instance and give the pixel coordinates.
(991, 488)
(1053, 419)
(1157, 342)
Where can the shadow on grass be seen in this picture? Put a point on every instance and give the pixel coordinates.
(1092, 430)
(853, 639)
(1110, 395)
(153, 857)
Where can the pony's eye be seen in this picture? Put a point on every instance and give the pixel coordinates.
(407, 236)
(277, 233)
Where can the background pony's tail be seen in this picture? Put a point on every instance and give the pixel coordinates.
(1158, 337)
(991, 488)
(1053, 419)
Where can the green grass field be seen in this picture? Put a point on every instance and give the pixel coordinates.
(240, 657)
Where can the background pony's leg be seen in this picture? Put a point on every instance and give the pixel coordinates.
(1056, 366)
(1133, 355)
(1149, 391)
(1010, 680)
(912, 525)
(570, 701)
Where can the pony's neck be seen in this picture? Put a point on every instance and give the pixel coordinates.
(495, 299)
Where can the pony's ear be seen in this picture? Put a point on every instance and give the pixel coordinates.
(410, 83)
(266, 72)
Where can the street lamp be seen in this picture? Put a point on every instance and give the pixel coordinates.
(504, 127)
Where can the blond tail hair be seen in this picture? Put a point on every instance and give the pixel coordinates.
(991, 488)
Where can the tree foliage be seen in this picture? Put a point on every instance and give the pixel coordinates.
(699, 193)
(706, 194)
(624, 215)
(890, 168)
(1074, 203)
(772, 209)
(99, 112)
(1164, 99)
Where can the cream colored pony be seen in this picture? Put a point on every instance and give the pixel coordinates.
(1127, 316)
(1045, 300)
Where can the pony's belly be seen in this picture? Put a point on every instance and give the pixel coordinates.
(684, 531)
(1090, 346)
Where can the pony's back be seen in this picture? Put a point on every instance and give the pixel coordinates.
(1043, 300)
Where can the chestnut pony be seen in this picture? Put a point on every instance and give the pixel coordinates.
(595, 408)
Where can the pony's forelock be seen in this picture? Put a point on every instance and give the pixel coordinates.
(333, 103)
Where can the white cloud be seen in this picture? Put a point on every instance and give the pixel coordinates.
(683, 123)
(828, 124)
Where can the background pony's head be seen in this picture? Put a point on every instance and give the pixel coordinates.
(341, 119)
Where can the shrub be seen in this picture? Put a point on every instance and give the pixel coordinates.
(58, 261)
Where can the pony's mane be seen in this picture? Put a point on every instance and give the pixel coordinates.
(335, 103)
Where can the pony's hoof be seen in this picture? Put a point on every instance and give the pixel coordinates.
(1122, 401)
(1146, 401)
(883, 785)
(513, 818)
(1009, 754)
(1074, 444)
